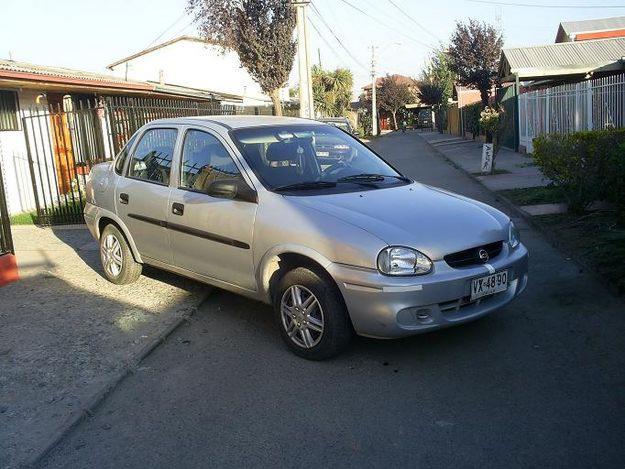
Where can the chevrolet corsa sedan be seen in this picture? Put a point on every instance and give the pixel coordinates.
(336, 245)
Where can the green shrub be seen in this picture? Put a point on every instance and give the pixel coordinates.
(616, 179)
(471, 117)
(582, 164)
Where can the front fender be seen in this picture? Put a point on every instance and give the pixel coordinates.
(269, 264)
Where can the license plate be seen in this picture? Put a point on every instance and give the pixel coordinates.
(323, 153)
(489, 285)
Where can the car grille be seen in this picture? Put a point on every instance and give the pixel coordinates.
(471, 256)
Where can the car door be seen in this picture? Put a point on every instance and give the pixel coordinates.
(211, 234)
(142, 196)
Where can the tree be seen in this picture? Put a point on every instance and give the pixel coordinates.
(259, 31)
(436, 85)
(332, 90)
(394, 94)
(474, 55)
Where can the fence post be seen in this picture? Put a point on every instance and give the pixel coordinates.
(578, 119)
(589, 122)
(547, 114)
(31, 165)
(6, 239)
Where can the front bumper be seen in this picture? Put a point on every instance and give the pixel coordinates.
(388, 307)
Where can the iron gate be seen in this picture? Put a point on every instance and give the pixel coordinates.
(64, 141)
(6, 241)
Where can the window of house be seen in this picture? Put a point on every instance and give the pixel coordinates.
(205, 160)
(151, 160)
(123, 155)
(8, 111)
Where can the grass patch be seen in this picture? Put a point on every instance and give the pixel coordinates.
(497, 171)
(22, 219)
(595, 238)
(56, 215)
(534, 195)
(528, 164)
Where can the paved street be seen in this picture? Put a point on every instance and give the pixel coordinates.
(541, 383)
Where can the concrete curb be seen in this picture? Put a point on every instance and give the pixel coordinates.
(529, 219)
(78, 416)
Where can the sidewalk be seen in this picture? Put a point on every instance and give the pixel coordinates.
(467, 154)
(67, 335)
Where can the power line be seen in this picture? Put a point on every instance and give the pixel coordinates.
(322, 37)
(377, 20)
(534, 5)
(413, 20)
(168, 28)
(336, 37)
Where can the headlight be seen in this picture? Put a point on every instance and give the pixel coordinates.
(398, 260)
(514, 237)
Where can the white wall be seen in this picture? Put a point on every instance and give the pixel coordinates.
(14, 158)
(196, 64)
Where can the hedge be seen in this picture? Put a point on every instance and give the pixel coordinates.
(587, 166)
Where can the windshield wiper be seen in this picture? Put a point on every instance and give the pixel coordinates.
(371, 177)
(307, 185)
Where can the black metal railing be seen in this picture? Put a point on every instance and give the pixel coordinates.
(6, 240)
(64, 141)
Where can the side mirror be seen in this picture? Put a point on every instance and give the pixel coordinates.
(232, 189)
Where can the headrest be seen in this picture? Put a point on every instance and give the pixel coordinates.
(283, 151)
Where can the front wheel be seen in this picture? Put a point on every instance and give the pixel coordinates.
(311, 315)
(119, 265)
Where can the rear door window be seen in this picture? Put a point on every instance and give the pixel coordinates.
(151, 160)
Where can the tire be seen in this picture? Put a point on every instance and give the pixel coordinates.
(117, 260)
(317, 328)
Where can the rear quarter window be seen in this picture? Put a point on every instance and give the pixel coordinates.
(120, 161)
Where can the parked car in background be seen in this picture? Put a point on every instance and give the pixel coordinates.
(342, 123)
(336, 246)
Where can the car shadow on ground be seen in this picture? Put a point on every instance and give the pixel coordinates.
(87, 248)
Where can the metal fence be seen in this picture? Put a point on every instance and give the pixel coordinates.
(6, 241)
(590, 105)
(63, 142)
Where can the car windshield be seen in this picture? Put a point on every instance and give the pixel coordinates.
(340, 125)
(312, 157)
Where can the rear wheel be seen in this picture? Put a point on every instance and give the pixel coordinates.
(118, 263)
(310, 313)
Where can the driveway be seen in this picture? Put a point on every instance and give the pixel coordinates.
(541, 383)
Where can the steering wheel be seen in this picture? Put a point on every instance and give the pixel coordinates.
(335, 168)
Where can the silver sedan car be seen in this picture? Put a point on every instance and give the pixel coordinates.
(337, 245)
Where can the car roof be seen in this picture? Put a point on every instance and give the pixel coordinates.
(236, 122)
(334, 119)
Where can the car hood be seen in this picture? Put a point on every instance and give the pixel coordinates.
(432, 220)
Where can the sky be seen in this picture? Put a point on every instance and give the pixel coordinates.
(89, 34)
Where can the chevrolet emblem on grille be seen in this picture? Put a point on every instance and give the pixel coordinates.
(483, 255)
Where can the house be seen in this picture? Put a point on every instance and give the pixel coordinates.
(563, 61)
(29, 95)
(385, 117)
(194, 63)
(585, 30)
(575, 84)
(455, 119)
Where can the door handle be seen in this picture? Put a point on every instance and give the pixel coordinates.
(177, 209)
(123, 198)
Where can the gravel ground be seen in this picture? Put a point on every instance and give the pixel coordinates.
(66, 333)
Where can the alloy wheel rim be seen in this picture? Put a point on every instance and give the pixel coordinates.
(302, 316)
(112, 257)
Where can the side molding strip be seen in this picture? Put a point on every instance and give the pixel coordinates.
(191, 231)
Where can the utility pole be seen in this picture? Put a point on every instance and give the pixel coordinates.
(306, 102)
(374, 107)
